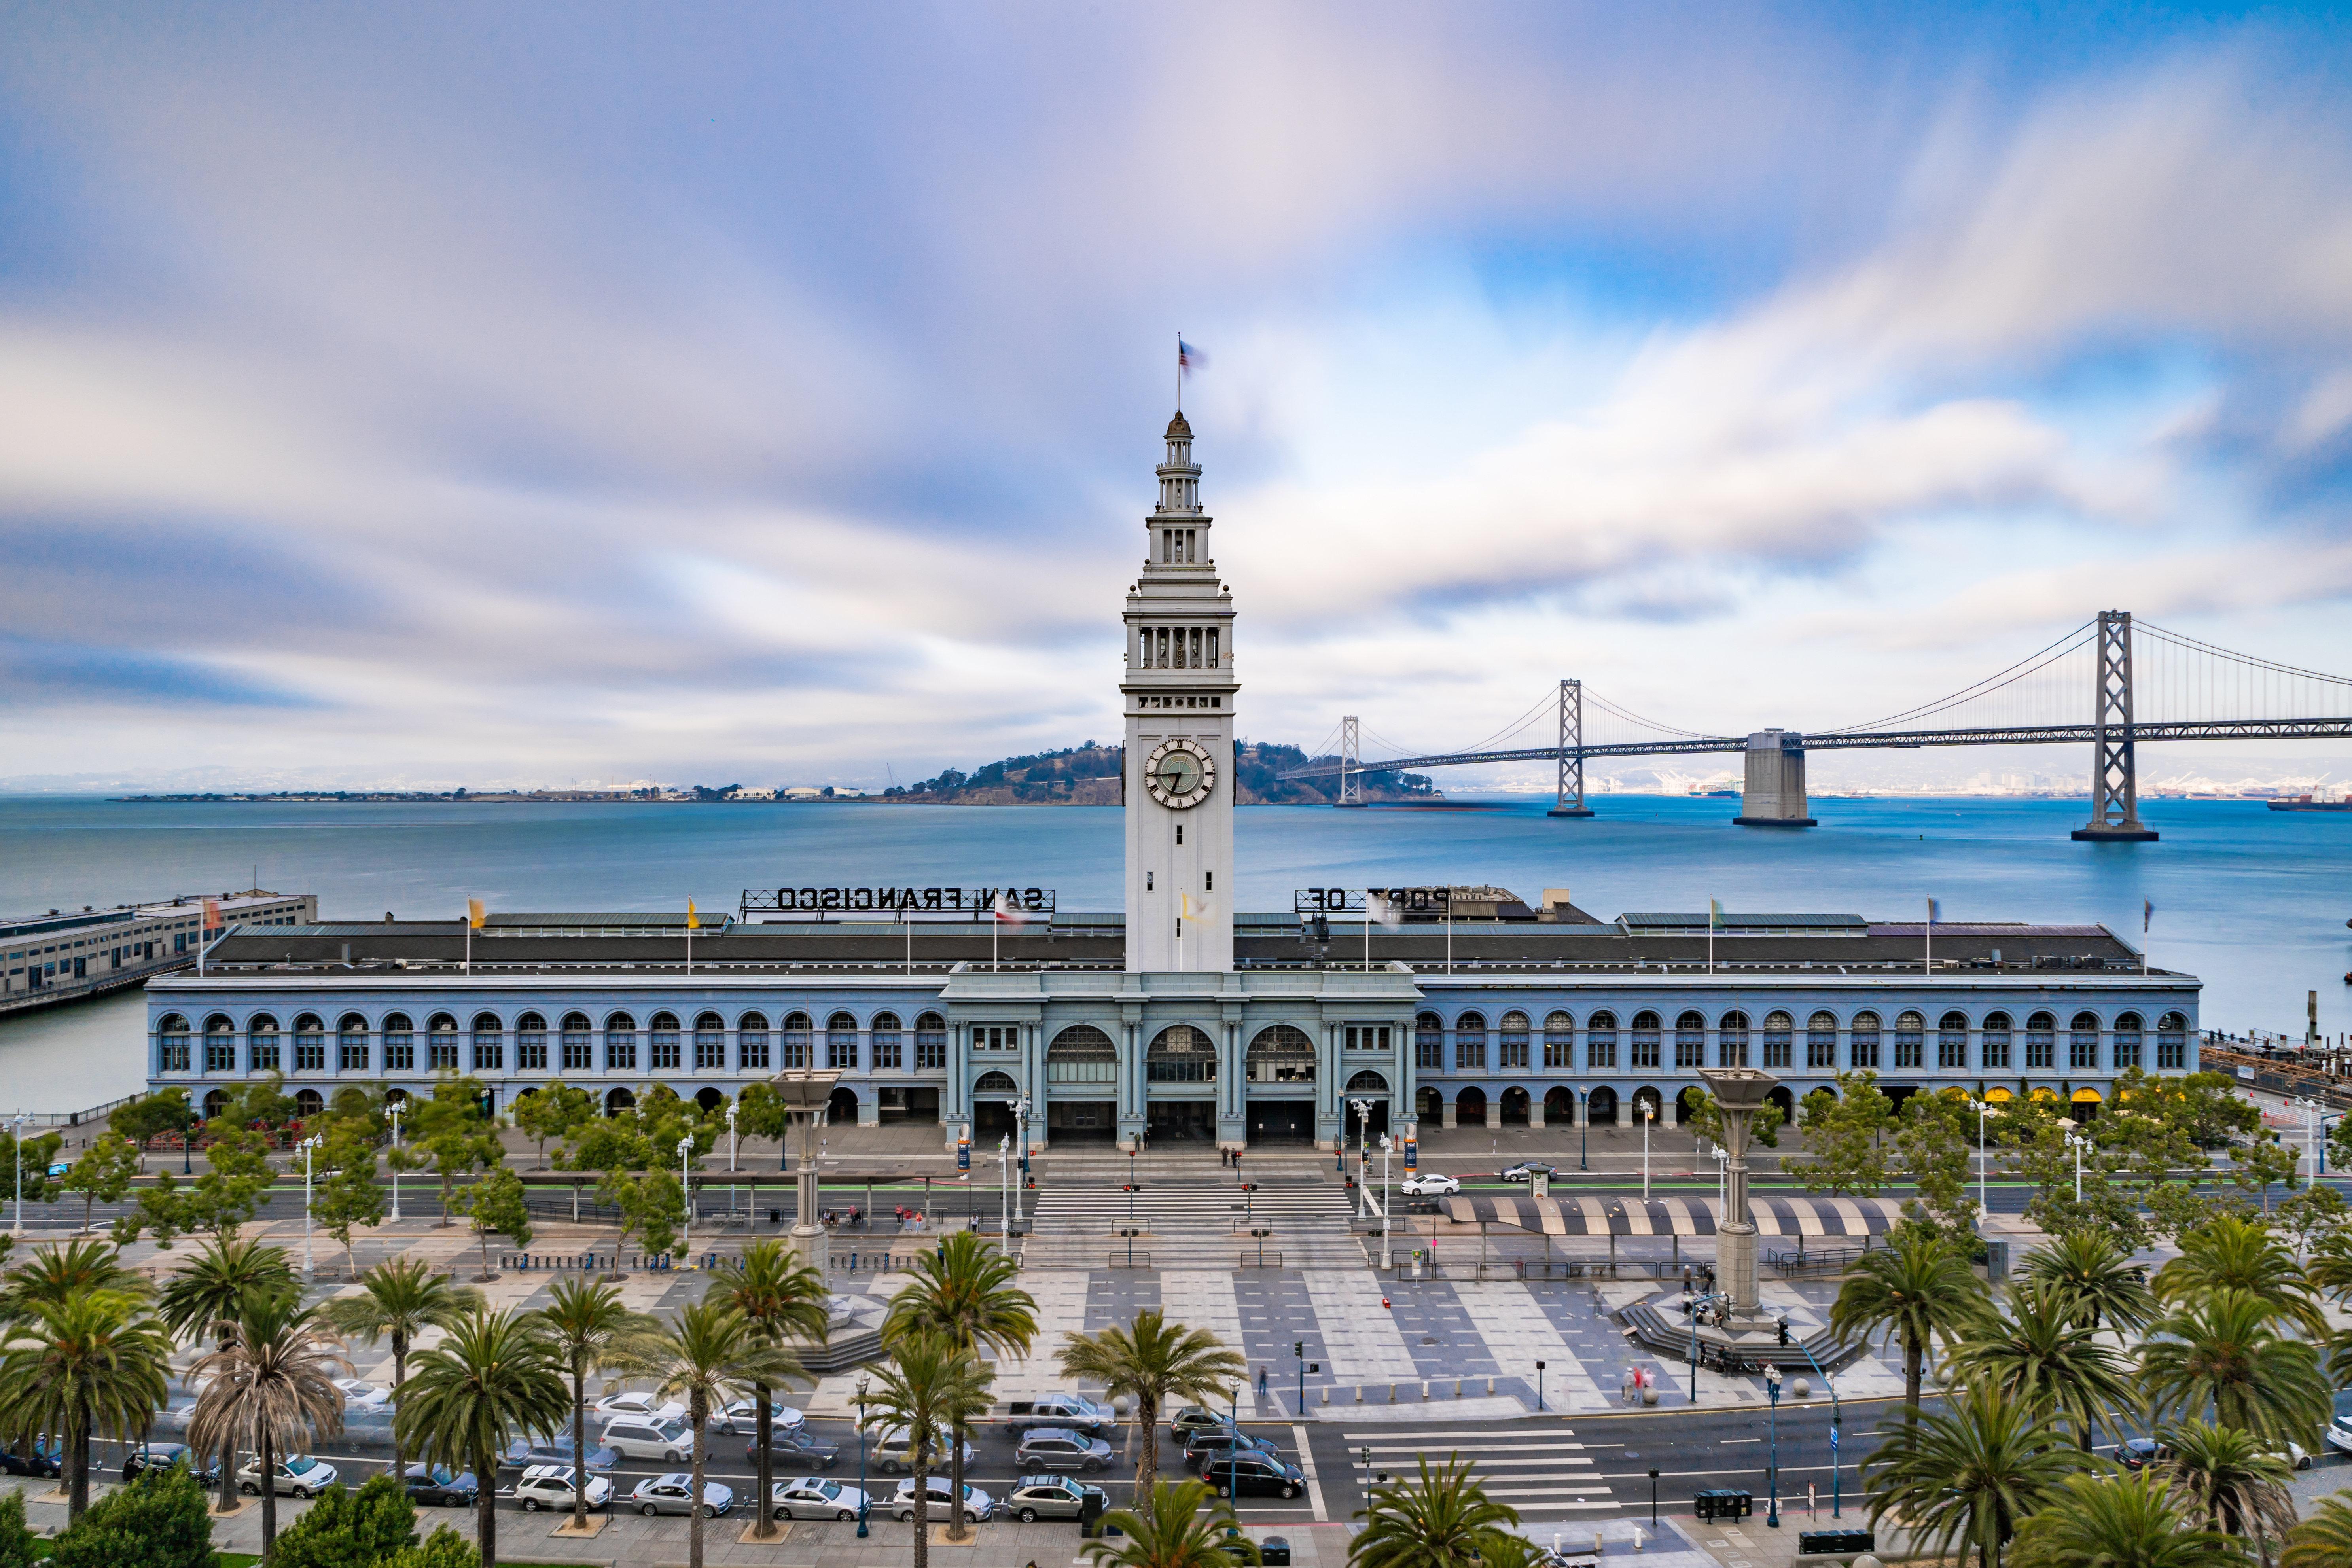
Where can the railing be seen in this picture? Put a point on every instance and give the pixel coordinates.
(1259, 1257)
(1834, 1260)
(71, 1117)
(1131, 1260)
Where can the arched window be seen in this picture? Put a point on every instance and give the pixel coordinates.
(1821, 1042)
(220, 1044)
(1864, 1052)
(930, 1043)
(1731, 1040)
(172, 1043)
(1511, 1043)
(1952, 1041)
(1281, 1054)
(1690, 1041)
(840, 1043)
(1082, 1054)
(577, 1048)
(1646, 1032)
(308, 1102)
(2128, 1035)
(2083, 1043)
(489, 1043)
(1369, 1083)
(888, 1049)
(1428, 1043)
(1600, 1043)
(796, 1041)
(1180, 1054)
(752, 1040)
(2172, 1042)
(709, 1043)
(2040, 1042)
(994, 1085)
(530, 1043)
(351, 1044)
(1779, 1035)
(399, 1043)
(1910, 1042)
(621, 1044)
(1996, 1041)
(261, 1030)
(1601, 1106)
(661, 1042)
(441, 1043)
(1470, 1043)
(310, 1043)
(1560, 1043)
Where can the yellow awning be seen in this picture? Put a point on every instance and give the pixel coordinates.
(2045, 1094)
(1995, 1095)
(2083, 1096)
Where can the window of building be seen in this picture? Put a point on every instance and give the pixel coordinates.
(1082, 1054)
(352, 1047)
(1910, 1041)
(1180, 1054)
(220, 1046)
(662, 1043)
(1952, 1041)
(2172, 1042)
(1780, 1032)
(889, 1050)
(2040, 1042)
(530, 1043)
(1996, 1041)
(1368, 1036)
(1560, 1043)
(310, 1043)
(1429, 1043)
(1648, 1030)
(489, 1043)
(578, 1051)
(1281, 1054)
(173, 1051)
(2083, 1043)
(996, 1037)
(1601, 1041)
(620, 1043)
(262, 1031)
(399, 1043)
(1731, 1041)
(441, 1043)
(1511, 1042)
(2126, 1041)
(840, 1043)
(1863, 1051)
(1690, 1041)
(1470, 1043)
(709, 1043)
(796, 1040)
(930, 1043)
(752, 1040)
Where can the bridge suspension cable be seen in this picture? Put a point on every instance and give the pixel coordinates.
(2005, 689)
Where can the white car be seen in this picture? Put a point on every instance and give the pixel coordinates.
(549, 1485)
(662, 1411)
(743, 1416)
(891, 1457)
(813, 1496)
(2297, 1457)
(1430, 1184)
(977, 1504)
(2339, 1433)
(359, 1395)
(296, 1475)
(642, 1437)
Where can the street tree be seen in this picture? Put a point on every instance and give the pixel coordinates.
(2223, 1352)
(209, 1298)
(94, 1362)
(103, 1174)
(965, 1290)
(496, 1206)
(591, 1331)
(1968, 1475)
(1846, 1138)
(783, 1299)
(1439, 1518)
(1919, 1286)
(493, 1377)
(348, 1196)
(1152, 1361)
(397, 1300)
(272, 1389)
(554, 1112)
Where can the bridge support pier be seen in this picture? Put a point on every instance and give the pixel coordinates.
(2115, 774)
(1568, 799)
(1775, 791)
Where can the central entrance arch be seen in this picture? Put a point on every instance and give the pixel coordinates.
(992, 1094)
(1179, 1073)
(1374, 1089)
(1281, 1055)
(1082, 1087)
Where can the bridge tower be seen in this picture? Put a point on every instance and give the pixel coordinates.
(1568, 800)
(2114, 775)
(1351, 764)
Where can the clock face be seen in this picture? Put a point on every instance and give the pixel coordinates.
(1180, 775)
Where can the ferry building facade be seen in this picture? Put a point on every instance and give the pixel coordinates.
(1175, 1019)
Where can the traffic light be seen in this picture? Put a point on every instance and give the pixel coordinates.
(1299, 1348)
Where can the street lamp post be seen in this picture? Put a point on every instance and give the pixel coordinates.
(1772, 1394)
(2079, 1143)
(1648, 1110)
(394, 1109)
(685, 1181)
(17, 1140)
(1388, 1211)
(730, 1163)
(1021, 1136)
(1005, 1185)
(309, 1147)
(1539, 1371)
(1984, 1204)
(1583, 1126)
(863, 1383)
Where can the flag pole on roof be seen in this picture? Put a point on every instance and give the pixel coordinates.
(1935, 907)
(1713, 924)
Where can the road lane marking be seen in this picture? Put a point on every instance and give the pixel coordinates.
(1314, 1485)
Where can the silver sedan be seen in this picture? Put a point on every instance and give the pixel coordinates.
(675, 1494)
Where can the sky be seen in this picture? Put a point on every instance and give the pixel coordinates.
(426, 395)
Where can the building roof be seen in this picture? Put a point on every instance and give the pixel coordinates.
(1702, 921)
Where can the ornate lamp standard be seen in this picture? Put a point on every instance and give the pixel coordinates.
(863, 1501)
(806, 1091)
(1772, 1392)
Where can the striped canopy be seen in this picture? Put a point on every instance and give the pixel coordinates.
(1774, 1215)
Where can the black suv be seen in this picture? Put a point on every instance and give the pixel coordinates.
(796, 1450)
(1196, 1418)
(1210, 1446)
(1261, 1473)
(435, 1485)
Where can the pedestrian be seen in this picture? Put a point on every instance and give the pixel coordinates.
(1261, 1383)
(1812, 1501)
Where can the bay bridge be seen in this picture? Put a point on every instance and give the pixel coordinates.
(2110, 684)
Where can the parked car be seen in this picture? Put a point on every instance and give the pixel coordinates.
(743, 1416)
(438, 1486)
(1057, 1448)
(205, 1467)
(1260, 1473)
(1033, 1498)
(675, 1494)
(641, 1437)
(296, 1475)
(1196, 1418)
(659, 1410)
(1525, 1171)
(2339, 1433)
(363, 1397)
(1211, 1445)
(1429, 1184)
(2138, 1453)
(1074, 1411)
(522, 1456)
(45, 1457)
(2297, 1457)
(550, 1485)
(813, 1496)
(798, 1449)
(891, 1456)
(977, 1504)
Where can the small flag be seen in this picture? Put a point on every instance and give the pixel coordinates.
(212, 914)
(1714, 914)
(1190, 358)
(1008, 912)
(1934, 910)
(1377, 907)
(693, 920)
(475, 913)
(2146, 913)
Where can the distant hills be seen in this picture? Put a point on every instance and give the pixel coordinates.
(1089, 774)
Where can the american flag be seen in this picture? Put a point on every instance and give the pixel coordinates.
(1188, 357)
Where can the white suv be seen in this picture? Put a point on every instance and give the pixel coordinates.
(549, 1485)
(642, 1437)
(977, 1504)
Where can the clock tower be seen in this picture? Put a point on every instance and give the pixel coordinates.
(1178, 693)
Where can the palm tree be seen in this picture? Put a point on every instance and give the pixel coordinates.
(1967, 1475)
(591, 1331)
(2323, 1540)
(2110, 1291)
(1172, 1531)
(712, 1355)
(55, 1275)
(2044, 1352)
(97, 1360)
(398, 1301)
(965, 1290)
(931, 1386)
(2228, 1477)
(2330, 1268)
(1442, 1519)
(208, 1296)
(1150, 1362)
(494, 1375)
(2236, 1254)
(2225, 1355)
(2130, 1522)
(1918, 1286)
(273, 1386)
(781, 1299)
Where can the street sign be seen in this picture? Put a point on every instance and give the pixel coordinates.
(1540, 1184)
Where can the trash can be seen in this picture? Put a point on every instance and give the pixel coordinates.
(1274, 1551)
(1834, 1542)
(1722, 1503)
